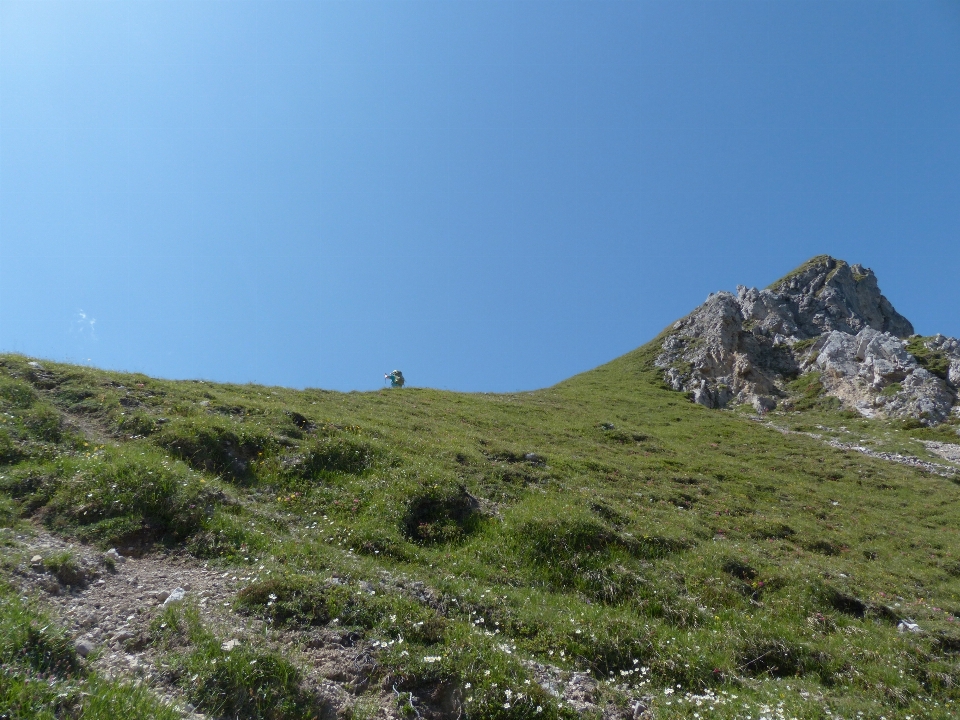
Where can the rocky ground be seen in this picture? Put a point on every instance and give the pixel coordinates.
(107, 602)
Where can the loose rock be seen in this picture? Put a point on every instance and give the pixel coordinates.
(84, 647)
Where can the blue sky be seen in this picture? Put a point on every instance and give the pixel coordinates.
(487, 195)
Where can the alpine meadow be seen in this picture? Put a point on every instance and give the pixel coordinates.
(754, 515)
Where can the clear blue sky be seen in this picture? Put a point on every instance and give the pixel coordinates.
(487, 195)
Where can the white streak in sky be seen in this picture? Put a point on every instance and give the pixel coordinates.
(85, 326)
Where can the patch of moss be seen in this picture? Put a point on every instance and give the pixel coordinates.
(810, 393)
(936, 361)
(891, 389)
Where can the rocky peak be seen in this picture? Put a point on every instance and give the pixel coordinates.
(822, 295)
(826, 316)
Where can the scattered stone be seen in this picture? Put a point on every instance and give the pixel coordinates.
(948, 451)
(84, 647)
(122, 636)
(36, 560)
(230, 645)
(906, 626)
(112, 554)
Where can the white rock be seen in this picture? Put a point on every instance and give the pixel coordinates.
(176, 595)
(230, 645)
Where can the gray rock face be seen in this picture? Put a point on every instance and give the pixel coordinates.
(713, 357)
(827, 294)
(743, 348)
(873, 372)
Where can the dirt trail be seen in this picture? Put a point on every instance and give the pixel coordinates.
(110, 610)
(944, 450)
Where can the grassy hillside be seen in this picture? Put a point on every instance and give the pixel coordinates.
(698, 560)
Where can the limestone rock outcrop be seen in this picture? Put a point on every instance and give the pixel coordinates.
(873, 373)
(827, 317)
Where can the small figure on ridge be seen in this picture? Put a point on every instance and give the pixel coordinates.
(395, 378)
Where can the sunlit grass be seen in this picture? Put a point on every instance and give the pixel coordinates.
(605, 525)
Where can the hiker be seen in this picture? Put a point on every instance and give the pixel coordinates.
(395, 378)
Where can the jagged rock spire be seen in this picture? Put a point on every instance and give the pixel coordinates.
(827, 294)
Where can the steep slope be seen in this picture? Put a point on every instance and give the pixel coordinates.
(602, 548)
(828, 318)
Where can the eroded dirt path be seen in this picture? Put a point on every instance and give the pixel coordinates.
(108, 611)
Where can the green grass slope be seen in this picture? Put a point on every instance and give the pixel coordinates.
(696, 558)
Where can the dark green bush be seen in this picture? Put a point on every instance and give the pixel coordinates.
(440, 514)
(299, 599)
(138, 423)
(739, 569)
(779, 657)
(27, 639)
(246, 683)
(284, 599)
(9, 452)
(44, 423)
(936, 361)
(809, 393)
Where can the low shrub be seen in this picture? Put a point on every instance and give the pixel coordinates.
(810, 394)
(215, 444)
(936, 361)
(121, 495)
(440, 514)
(43, 423)
(284, 599)
(335, 454)
(9, 452)
(16, 394)
(739, 569)
(27, 639)
(65, 567)
(767, 655)
(231, 681)
(137, 423)
(303, 600)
